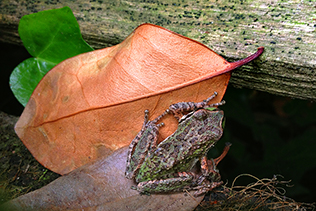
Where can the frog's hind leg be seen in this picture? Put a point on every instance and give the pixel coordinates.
(144, 143)
(138, 149)
(138, 136)
(135, 141)
(153, 144)
(183, 181)
(205, 187)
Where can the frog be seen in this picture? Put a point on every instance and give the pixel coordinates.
(170, 165)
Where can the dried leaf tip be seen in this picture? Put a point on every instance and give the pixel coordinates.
(248, 59)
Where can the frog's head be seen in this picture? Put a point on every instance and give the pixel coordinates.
(218, 112)
(212, 116)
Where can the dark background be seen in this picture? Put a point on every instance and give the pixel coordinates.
(270, 135)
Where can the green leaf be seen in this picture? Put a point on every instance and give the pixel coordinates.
(26, 76)
(50, 36)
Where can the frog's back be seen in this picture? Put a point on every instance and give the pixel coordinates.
(193, 138)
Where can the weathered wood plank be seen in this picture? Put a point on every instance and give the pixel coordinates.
(233, 28)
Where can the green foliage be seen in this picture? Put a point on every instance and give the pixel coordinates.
(50, 36)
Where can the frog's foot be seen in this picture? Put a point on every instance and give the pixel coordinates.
(206, 187)
(145, 119)
(204, 103)
(215, 104)
(160, 116)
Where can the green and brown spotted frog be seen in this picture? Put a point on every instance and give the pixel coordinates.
(168, 166)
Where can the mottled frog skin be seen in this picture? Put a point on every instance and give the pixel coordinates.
(168, 166)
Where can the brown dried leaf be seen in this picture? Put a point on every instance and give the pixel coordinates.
(92, 104)
(100, 185)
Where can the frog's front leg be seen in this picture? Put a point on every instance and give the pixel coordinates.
(178, 109)
(182, 181)
(145, 141)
